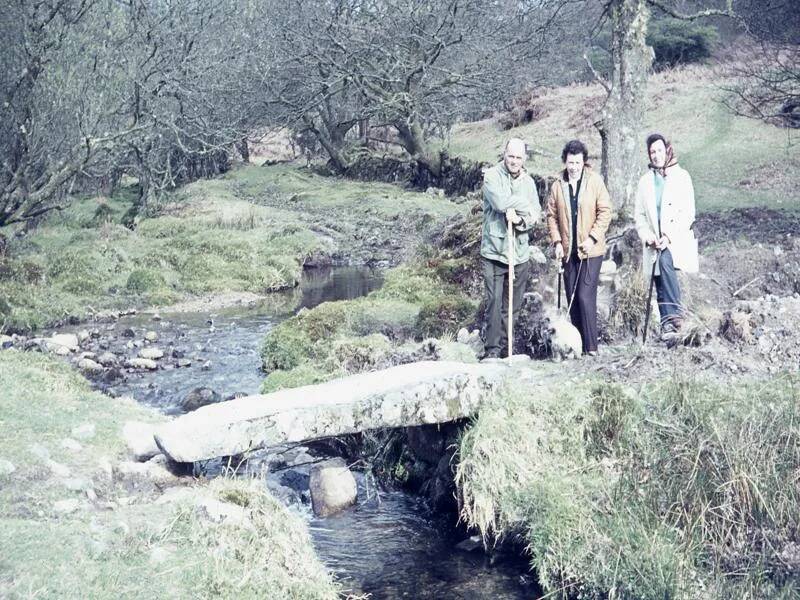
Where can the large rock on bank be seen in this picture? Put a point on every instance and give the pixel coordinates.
(412, 394)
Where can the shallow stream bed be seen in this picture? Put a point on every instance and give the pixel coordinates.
(390, 544)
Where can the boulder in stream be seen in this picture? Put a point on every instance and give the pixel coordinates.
(333, 487)
(200, 396)
(151, 352)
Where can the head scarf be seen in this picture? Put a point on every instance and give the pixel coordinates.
(670, 160)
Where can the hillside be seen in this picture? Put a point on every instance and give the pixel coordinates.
(735, 162)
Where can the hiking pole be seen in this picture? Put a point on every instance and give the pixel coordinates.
(650, 297)
(560, 277)
(510, 316)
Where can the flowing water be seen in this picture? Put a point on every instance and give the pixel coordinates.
(390, 544)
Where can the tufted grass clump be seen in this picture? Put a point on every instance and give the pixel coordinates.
(682, 489)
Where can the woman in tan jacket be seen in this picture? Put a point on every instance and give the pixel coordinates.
(578, 215)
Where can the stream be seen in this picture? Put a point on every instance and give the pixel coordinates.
(390, 544)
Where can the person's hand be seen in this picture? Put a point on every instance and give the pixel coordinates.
(587, 245)
(661, 243)
(512, 216)
(558, 251)
(650, 243)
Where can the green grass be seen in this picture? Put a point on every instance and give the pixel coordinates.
(250, 230)
(722, 152)
(109, 550)
(340, 338)
(662, 492)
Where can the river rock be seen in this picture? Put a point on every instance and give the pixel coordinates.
(201, 396)
(140, 440)
(151, 352)
(151, 336)
(284, 494)
(295, 479)
(183, 362)
(128, 332)
(107, 359)
(87, 365)
(333, 487)
(83, 335)
(155, 471)
(470, 544)
(62, 343)
(142, 363)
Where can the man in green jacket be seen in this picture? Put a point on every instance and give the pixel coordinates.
(509, 195)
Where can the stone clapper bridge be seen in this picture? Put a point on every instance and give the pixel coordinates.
(419, 393)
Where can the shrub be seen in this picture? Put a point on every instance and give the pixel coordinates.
(144, 280)
(677, 42)
(285, 347)
(443, 315)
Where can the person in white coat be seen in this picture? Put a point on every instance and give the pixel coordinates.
(664, 214)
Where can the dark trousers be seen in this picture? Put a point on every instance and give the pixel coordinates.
(581, 279)
(495, 282)
(668, 291)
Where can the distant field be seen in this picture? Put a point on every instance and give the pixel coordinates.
(735, 162)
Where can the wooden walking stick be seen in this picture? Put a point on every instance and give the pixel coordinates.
(560, 277)
(510, 316)
(648, 308)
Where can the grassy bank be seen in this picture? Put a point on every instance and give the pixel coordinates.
(675, 490)
(249, 231)
(734, 162)
(341, 338)
(114, 541)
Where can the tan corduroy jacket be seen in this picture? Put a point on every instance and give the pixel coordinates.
(594, 213)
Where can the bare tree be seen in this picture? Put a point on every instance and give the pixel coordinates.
(94, 88)
(766, 78)
(410, 65)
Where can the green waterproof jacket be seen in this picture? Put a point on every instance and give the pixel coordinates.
(501, 192)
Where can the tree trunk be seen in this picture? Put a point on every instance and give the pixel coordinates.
(413, 140)
(244, 150)
(623, 114)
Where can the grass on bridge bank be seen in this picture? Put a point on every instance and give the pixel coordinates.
(678, 489)
(340, 338)
(122, 544)
(734, 162)
(248, 231)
